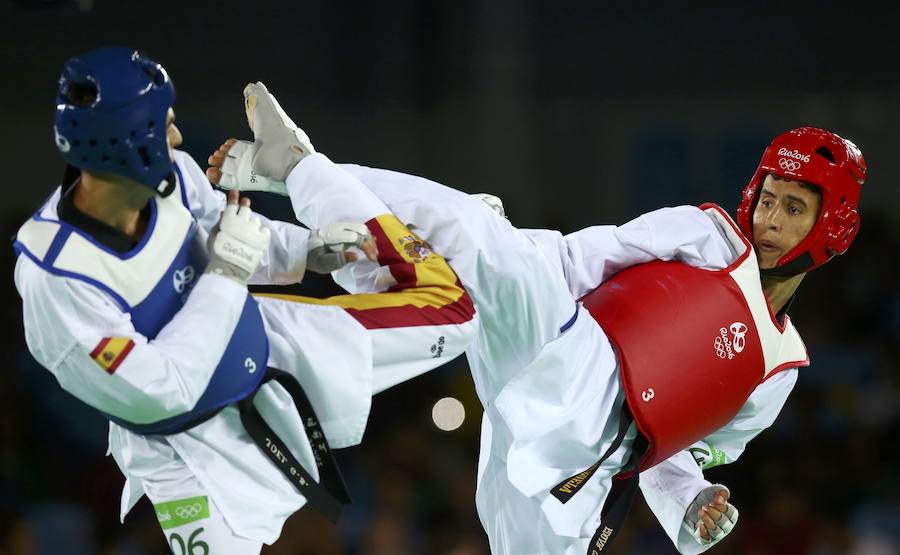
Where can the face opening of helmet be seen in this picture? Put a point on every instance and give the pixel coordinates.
(786, 212)
(836, 167)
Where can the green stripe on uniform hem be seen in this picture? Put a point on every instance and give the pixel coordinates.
(173, 514)
(717, 458)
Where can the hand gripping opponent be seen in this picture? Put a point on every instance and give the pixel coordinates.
(710, 517)
(330, 248)
(493, 201)
(237, 243)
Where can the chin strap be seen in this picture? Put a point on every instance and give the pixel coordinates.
(167, 186)
(797, 266)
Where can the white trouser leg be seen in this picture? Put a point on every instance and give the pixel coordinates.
(521, 299)
(323, 193)
(189, 518)
(514, 523)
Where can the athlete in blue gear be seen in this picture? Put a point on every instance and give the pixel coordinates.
(133, 277)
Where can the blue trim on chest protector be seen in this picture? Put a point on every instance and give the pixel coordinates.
(238, 374)
(171, 292)
(243, 364)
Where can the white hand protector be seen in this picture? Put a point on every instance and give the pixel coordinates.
(724, 525)
(279, 144)
(494, 202)
(237, 172)
(328, 246)
(237, 244)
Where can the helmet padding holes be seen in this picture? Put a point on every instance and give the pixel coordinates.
(826, 154)
(145, 156)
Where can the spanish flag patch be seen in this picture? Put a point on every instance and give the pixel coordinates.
(111, 351)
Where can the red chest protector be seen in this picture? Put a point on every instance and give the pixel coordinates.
(692, 344)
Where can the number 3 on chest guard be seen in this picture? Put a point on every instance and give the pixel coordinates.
(647, 394)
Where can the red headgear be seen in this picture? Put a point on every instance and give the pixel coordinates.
(833, 164)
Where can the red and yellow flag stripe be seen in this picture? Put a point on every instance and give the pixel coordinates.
(427, 291)
(111, 351)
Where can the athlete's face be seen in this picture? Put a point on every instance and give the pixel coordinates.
(173, 134)
(784, 215)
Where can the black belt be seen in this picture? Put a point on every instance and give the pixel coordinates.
(621, 494)
(330, 494)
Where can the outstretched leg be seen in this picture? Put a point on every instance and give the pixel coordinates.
(521, 299)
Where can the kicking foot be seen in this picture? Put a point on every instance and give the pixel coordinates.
(278, 143)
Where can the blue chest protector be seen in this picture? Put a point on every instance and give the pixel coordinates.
(151, 282)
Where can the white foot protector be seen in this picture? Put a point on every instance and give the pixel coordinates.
(278, 143)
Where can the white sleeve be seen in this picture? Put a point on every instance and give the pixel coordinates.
(758, 413)
(66, 319)
(671, 486)
(285, 261)
(592, 255)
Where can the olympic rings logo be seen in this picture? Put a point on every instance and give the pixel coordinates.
(188, 511)
(720, 347)
(789, 165)
(182, 278)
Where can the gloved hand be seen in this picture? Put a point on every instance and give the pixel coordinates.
(710, 517)
(237, 243)
(493, 201)
(329, 248)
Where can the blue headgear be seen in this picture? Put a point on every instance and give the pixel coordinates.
(111, 116)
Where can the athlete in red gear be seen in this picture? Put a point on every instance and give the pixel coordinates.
(690, 315)
(799, 210)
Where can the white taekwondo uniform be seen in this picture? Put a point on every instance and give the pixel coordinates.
(342, 350)
(543, 368)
